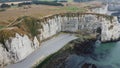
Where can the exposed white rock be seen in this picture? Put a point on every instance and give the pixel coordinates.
(18, 47)
(110, 31)
(50, 28)
(4, 56)
(36, 43)
(102, 10)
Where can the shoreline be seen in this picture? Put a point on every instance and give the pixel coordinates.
(63, 53)
(44, 51)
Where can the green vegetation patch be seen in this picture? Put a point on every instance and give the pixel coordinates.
(71, 9)
(23, 26)
(28, 24)
(1, 27)
(1, 10)
(74, 9)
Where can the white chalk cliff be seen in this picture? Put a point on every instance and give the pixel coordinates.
(18, 47)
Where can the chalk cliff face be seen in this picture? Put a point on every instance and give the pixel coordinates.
(100, 9)
(110, 31)
(24, 36)
(16, 49)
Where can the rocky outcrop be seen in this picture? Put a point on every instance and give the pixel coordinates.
(24, 35)
(17, 49)
(86, 47)
(70, 53)
(102, 9)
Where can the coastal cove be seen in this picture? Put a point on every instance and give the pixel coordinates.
(98, 55)
(60, 34)
(32, 30)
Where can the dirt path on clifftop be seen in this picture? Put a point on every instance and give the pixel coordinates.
(46, 48)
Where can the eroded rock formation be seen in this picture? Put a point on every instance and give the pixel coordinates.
(24, 35)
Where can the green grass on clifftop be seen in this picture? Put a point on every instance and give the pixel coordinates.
(1, 27)
(28, 24)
